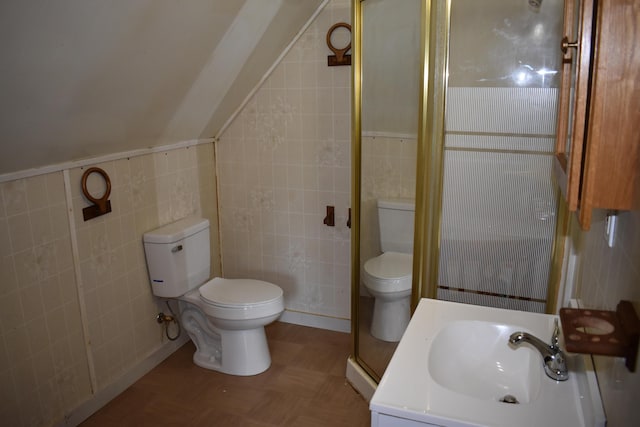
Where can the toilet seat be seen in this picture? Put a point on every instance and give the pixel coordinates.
(238, 299)
(389, 272)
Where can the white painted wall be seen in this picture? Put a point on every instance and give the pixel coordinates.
(84, 78)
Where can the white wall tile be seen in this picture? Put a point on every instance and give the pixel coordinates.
(14, 194)
(20, 236)
(8, 276)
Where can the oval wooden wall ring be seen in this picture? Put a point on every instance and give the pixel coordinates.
(102, 201)
(340, 57)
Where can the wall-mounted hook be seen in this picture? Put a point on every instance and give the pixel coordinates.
(349, 219)
(100, 206)
(330, 219)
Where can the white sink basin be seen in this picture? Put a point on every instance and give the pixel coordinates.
(472, 357)
(454, 367)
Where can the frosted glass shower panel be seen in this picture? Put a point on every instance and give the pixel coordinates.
(499, 206)
(522, 119)
(498, 222)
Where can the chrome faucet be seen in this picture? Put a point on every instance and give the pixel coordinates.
(554, 363)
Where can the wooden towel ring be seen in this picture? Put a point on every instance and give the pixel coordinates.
(100, 205)
(340, 57)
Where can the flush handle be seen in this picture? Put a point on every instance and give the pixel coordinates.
(176, 249)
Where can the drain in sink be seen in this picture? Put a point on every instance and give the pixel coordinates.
(509, 399)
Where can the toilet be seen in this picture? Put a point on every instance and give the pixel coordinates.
(225, 318)
(387, 277)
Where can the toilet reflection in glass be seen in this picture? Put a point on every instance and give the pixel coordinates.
(224, 318)
(387, 277)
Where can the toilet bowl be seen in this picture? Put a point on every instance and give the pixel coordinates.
(224, 318)
(387, 278)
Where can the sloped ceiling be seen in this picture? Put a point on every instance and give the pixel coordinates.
(83, 78)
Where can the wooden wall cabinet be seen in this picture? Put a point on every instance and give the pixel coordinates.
(598, 134)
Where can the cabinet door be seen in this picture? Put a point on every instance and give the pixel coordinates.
(611, 161)
(597, 146)
(573, 101)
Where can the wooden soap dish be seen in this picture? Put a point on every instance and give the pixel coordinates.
(608, 333)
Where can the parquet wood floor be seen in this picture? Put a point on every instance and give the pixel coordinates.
(304, 387)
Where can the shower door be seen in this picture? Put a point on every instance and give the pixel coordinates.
(499, 204)
(385, 159)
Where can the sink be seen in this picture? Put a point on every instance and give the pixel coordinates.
(454, 367)
(472, 357)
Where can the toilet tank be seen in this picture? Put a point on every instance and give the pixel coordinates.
(395, 219)
(178, 257)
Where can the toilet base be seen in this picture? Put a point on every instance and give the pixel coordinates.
(243, 353)
(235, 352)
(390, 318)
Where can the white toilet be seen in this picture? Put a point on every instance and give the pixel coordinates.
(388, 276)
(225, 318)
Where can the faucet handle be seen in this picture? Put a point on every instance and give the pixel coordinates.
(556, 332)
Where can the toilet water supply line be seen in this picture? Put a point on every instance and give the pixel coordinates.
(167, 319)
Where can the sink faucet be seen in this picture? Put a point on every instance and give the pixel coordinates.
(554, 364)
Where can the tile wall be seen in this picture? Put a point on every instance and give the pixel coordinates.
(605, 276)
(285, 158)
(43, 363)
(50, 298)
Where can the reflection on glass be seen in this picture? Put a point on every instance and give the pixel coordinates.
(504, 43)
(390, 101)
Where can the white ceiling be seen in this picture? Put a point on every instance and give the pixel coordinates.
(83, 78)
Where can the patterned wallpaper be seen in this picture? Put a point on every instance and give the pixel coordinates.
(43, 364)
(46, 308)
(283, 159)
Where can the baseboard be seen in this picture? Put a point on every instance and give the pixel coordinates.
(360, 380)
(104, 396)
(316, 321)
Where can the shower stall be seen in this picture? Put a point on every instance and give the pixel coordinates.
(482, 128)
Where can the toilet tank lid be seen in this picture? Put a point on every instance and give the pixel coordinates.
(177, 230)
(402, 204)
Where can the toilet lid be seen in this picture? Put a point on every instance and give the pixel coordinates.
(239, 292)
(389, 272)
